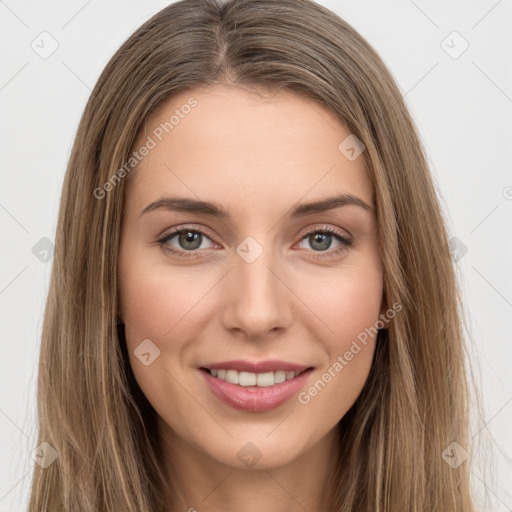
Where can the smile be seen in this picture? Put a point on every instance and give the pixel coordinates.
(255, 391)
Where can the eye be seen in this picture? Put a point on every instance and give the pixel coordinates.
(321, 240)
(188, 239)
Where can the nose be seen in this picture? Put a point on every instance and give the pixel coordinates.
(256, 298)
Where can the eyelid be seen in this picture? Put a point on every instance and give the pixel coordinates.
(314, 228)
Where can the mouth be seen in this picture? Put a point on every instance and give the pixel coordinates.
(255, 391)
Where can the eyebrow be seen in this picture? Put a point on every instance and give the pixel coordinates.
(187, 205)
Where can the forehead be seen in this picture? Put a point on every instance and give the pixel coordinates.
(239, 145)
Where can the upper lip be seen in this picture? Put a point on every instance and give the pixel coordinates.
(257, 366)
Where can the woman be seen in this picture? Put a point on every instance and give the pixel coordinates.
(252, 304)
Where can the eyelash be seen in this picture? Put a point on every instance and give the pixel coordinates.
(346, 242)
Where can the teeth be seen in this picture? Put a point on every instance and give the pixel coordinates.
(279, 376)
(254, 379)
(232, 376)
(246, 379)
(265, 379)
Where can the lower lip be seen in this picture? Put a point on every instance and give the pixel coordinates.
(255, 398)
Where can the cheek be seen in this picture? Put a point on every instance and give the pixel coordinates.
(160, 305)
(354, 306)
(347, 309)
(157, 302)
(346, 302)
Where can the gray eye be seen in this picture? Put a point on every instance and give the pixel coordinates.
(190, 240)
(320, 241)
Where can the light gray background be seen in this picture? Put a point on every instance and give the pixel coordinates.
(462, 107)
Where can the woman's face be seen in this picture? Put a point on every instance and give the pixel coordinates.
(260, 291)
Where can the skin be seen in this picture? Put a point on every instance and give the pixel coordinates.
(258, 156)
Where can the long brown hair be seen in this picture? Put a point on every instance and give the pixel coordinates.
(416, 401)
